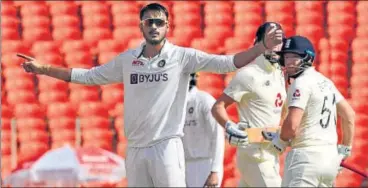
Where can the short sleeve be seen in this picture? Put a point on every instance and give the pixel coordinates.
(338, 96)
(240, 85)
(298, 94)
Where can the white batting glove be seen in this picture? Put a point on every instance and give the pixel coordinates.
(236, 135)
(277, 146)
(343, 152)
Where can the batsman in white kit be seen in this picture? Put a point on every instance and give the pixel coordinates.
(156, 79)
(259, 92)
(204, 140)
(310, 126)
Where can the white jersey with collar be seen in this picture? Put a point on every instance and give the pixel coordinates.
(259, 90)
(317, 96)
(203, 136)
(155, 90)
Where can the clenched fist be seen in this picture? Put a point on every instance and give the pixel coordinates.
(273, 37)
(32, 66)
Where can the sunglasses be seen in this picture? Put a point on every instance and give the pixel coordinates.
(150, 21)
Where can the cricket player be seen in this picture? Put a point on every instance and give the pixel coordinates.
(156, 80)
(204, 143)
(259, 92)
(310, 126)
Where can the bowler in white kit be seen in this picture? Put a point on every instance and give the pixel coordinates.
(259, 92)
(310, 126)
(204, 143)
(156, 77)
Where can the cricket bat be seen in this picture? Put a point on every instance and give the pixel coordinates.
(255, 134)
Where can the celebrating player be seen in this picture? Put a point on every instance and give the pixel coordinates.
(310, 126)
(203, 140)
(259, 92)
(155, 77)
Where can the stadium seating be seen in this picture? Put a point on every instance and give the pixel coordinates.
(49, 113)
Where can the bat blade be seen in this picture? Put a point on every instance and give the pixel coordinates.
(354, 169)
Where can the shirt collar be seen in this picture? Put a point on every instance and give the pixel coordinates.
(267, 65)
(138, 52)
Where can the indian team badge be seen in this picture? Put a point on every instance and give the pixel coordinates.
(191, 110)
(161, 63)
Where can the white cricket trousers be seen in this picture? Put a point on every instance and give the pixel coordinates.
(314, 166)
(258, 167)
(161, 165)
(198, 170)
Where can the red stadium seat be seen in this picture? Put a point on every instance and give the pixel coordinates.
(338, 44)
(121, 149)
(9, 34)
(5, 148)
(125, 8)
(66, 33)
(361, 6)
(30, 124)
(65, 8)
(94, 8)
(118, 110)
(111, 97)
(96, 134)
(340, 6)
(64, 135)
(29, 110)
(82, 95)
(180, 41)
(81, 57)
(207, 45)
(10, 22)
(119, 122)
(105, 57)
(8, 10)
(341, 31)
(30, 151)
(135, 43)
(128, 20)
(51, 84)
(96, 20)
(210, 80)
(311, 17)
(34, 9)
(104, 144)
(57, 110)
(11, 64)
(124, 34)
(36, 21)
(19, 96)
(19, 84)
(110, 45)
(6, 136)
(217, 7)
(251, 7)
(92, 108)
(6, 121)
(221, 20)
(61, 123)
(246, 32)
(362, 31)
(187, 32)
(36, 34)
(339, 56)
(51, 58)
(278, 6)
(52, 96)
(341, 19)
(93, 35)
(93, 122)
(62, 143)
(185, 7)
(302, 6)
(75, 45)
(43, 47)
(359, 43)
(249, 19)
(6, 111)
(74, 87)
(313, 32)
(282, 18)
(215, 32)
(189, 19)
(65, 21)
(14, 46)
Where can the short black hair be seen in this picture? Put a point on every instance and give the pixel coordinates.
(156, 7)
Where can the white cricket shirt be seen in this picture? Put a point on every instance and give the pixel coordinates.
(317, 96)
(203, 136)
(155, 90)
(259, 90)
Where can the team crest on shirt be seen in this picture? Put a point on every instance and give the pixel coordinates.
(191, 110)
(296, 95)
(267, 83)
(161, 63)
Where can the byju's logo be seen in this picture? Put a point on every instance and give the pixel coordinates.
(145, 78)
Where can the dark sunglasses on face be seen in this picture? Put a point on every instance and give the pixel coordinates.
(149, 22)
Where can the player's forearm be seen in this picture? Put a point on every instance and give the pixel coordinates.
(288, 130)
(219, 113)
(348, 131)
(244, 58)
(218, 150)
(58, 72)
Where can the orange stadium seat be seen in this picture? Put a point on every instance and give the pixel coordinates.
(361, 6)
(96, 20)
(36, 34)
(215, 32)
(311, 17)
(74, 46)
(93, 35)
(6, 111)
(188, 7)
(10, 22)
(66, 33)
(51, 84)
(124, 34)
(302, 6)
(121, 149)
(94, 122)
(210, 80)
(341, 6)
(251, 7)
(8, 9)
(25, 110)
(341, 31)
(362, 31)
(30, 124)
(9, 34)
(189, 19)
(105, 57)
(111, 97)
(187, 32)
(11, 64)
(180, 41)
(61, 123)
(19, 96)
(93, 108)
(36, 22)
(342, 18)
(51, 58)
(65, 21)
(64, 8)
(53, 96)
(128, 20)
(15, 46)
(359, 43)
(218, 7)
(44, 47)
(119, 121)
(30, 151)
(338, 56)
(90, 9)
(104, 144)
(97, 134)
(207, 45)
(125, 8)
(110, 45)
(118, 110)
(59, 109)
(278, 6)
(19, 84)
(34, 135)
(135, 42)
(282, 18)
(249, 19)
(6, 135)
(78, 57)
(338, 44)
(83, 95)
(5, 121)
(219, 19)
(34, 9)
(5, 148)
